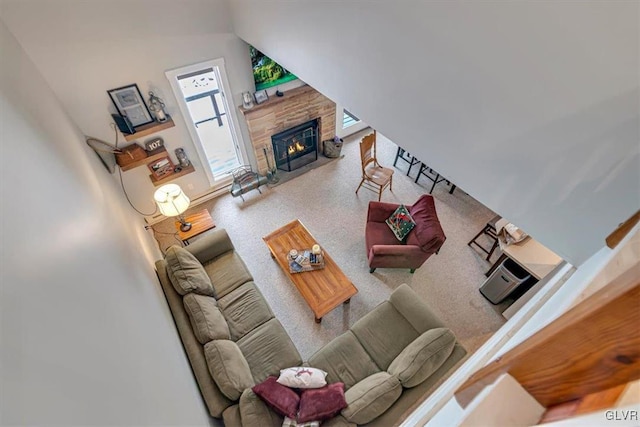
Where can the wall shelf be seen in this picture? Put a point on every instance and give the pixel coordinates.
(151, 156)
(148, 129)
(158, 182)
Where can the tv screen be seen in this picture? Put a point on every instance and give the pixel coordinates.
(267, 72)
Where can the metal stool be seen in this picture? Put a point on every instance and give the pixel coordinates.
(489, 230)
(425, 170)
(400, 154)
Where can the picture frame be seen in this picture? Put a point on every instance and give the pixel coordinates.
(129, 103)
(261, 96)
(162, 167)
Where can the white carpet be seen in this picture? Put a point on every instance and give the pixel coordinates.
(324, 200)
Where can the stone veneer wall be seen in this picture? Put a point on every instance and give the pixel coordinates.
(295, 107)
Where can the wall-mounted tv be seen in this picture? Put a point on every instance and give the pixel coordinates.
(267, 72)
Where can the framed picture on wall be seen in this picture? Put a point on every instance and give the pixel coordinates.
(161, 167)
(261, 96)
(129, 103)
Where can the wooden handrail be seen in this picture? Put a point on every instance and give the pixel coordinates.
(592, 347)
(623, 229)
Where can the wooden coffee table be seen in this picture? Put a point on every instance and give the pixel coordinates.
(323, 289)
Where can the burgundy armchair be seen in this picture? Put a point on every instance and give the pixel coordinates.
(425, 239)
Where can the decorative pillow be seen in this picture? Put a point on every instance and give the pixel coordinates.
(303, 377)
(288, 422)
(371, 397)
(228, 367)
(318, 404)
(423, 357)
(207, 321)
(400, 222)
(186, 272)
(282, 399)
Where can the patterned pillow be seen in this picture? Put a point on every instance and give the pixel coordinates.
(401, 222)
(303, 377)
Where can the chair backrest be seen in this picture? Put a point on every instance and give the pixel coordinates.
(427, 233)
(368, 150)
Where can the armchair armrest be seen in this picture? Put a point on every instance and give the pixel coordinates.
(399, 250)
(380, 211)
(214, 244)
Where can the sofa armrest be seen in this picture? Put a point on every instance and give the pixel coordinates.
(380, 211)
(213, 244)
(407, 302)
(254, 412)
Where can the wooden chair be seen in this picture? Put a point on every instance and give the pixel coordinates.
(374, 177)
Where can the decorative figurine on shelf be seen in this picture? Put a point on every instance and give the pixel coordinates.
(156, 105)
(182, 158)
(247, 100)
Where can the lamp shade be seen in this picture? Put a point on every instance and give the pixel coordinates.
(171, 200)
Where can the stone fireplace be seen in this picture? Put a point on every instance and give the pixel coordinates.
(279, 114)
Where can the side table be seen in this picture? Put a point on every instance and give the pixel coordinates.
(200, 222)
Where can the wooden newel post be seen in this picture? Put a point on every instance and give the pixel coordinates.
(592, 347)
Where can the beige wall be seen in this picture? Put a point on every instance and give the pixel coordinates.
(84, 48)
(87, 337)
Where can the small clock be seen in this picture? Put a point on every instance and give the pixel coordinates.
(153, 144)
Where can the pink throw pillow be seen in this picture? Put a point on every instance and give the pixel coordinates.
(317, 404)
(282, 399)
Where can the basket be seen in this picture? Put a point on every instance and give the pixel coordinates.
(130, 154)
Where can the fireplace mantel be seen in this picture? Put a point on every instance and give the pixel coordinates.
(277, 114)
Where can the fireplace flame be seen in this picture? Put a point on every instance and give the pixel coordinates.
(291, 149)
(299, 146)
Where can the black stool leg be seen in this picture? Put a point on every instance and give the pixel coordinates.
(435, 181)
(493, 248)
(476, 236)
(398, 154)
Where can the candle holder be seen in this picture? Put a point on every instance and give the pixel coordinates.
(156, 105)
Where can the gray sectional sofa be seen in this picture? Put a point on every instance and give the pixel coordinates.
(387, 360)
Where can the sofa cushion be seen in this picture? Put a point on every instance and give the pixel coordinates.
(427, 233)
(268, 349)
(423, 357)
(254, 412)
(206, 320)
(186, 273)
(244, 308)
(344, 359)
(231, 416)
(318, 404)
(371, 397)
(280, 398)
(227, 272)
(384, 333)
(228, 367)
(400, 222)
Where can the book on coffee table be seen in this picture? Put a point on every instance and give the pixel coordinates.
(306, 261)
